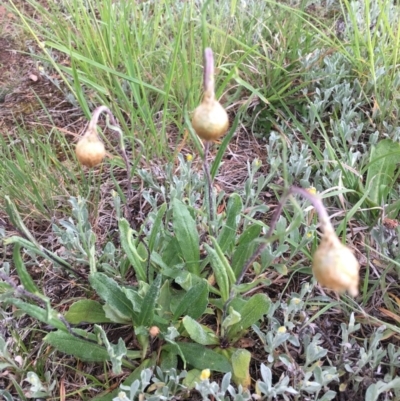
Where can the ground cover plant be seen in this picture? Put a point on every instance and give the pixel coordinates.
(140, 263)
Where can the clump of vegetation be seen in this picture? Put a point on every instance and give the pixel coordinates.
(141, 277)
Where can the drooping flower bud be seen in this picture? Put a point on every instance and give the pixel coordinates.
(335, 266)
(90, 150)
(210, 120)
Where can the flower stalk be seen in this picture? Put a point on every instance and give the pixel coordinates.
(210, 121)
(334, 264)
(90, 150)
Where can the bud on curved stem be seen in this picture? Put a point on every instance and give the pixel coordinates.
(90, 150)
(210, 120)
(334, 264)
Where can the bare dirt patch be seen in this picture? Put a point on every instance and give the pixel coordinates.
(27, 95)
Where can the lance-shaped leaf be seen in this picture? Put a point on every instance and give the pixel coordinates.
(194, 302)
(23, 274)
(200, 357)
(110, 291)
(199, 333)
(187, 236)
(146, 315)
(126, 236)
(78, 347)
(86, 310)
(253, 310)
(241, 367)
(227, 235)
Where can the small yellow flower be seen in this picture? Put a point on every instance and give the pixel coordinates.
(311, 190)
(296, 300)
(189, 157)
(205, 374)
(282, 330)
(309, 234)
(335, 266)
(257, 162)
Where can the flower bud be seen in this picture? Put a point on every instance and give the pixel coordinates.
(210, 120)
(154, 331)
(335, 266)
(90, 150)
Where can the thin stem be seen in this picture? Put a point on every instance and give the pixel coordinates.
(209, 187)
(115, 127)
(325, 225)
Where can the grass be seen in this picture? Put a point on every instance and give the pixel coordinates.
(313, 93)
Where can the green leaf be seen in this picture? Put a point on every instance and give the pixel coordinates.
(49, 316)
(245, 287)
(382, 165)
(194, 302)
(110, 291)
(245, 248)
(134, 297)
(23, 274)
(17, 221)
(157, 226)
(115, 316)
(199, 333)
(164, 300)
(86, 310)
(226, 238)
(253, 310)
(241, 367)
(168, 361)
(126, 237)
(71, 345)
(146, 315)
(192, 378)
(232, 318)
(38, 250)
(187, 236)
(219, 269)
(200, 357)
(225, 262)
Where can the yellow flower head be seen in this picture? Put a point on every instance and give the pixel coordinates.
(205, 374)
(257, 162)
(311, 190)
(189, 157)
(282, 330)
(335, 266)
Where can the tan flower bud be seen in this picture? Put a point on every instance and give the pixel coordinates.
(90, 150)
(210, 120)
(154, 331)
(335, 266)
